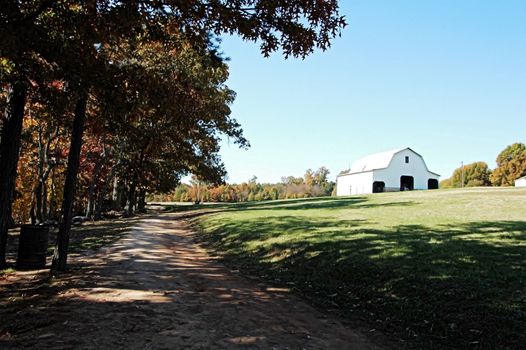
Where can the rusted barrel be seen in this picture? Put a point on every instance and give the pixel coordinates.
(32, 247)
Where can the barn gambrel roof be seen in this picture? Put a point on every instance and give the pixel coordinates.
(374, 161)
(378, 161)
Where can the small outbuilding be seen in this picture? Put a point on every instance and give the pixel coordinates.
(396, 170)
(520, 182)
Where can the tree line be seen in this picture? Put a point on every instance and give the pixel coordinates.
(312, 184)
(106, 101)
(511, 165)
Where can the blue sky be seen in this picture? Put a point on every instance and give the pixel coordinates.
(446, 78)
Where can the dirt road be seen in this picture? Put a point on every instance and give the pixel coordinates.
(157, 289)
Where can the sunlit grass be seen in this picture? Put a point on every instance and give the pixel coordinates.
(7, 271)
(443, 268)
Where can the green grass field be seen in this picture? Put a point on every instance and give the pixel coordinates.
(440, 269)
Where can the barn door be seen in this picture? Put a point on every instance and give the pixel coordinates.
(432, 184)
(378, 186)
(407, 183)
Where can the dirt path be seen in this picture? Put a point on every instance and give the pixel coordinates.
(157, 289)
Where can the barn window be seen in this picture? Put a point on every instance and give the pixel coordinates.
(407, 159)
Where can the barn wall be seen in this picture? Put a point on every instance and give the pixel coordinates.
(398, 167)
(360, 183)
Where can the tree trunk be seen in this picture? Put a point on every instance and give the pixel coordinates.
(38, 202)
(40, 178)
(32, 214)
(44, 201)
(132, 199)
(118, 197)
(91, 202)
(115, 192)
(91, 190)
(123, 198)
(52, 198)
(141, 205)
(9, 153)
(61, 247)
(11, 223)
(50, 213)
(100, 200)
(102, 194)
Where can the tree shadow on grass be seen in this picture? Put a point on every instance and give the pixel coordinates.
(282, 203)
(447, 286)
(191, 211)
(245, 205)
(155, 290)
(347, 203)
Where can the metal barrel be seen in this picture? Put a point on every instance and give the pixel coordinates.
(32, 247)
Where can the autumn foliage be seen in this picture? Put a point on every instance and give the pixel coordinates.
(312, 184)
(511, 165)
(106, 101)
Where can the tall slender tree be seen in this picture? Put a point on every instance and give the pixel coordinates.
(9, 153)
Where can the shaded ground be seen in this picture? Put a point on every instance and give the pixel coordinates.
(155, 288)
(90, 236)
(441, 269)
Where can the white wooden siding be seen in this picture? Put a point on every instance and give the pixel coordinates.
(393, 169)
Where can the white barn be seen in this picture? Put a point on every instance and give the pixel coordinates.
(396, 170)
(520, 182)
